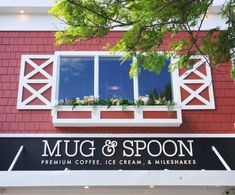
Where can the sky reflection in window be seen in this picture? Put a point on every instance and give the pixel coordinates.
(114, 80)
(76, 77)
(160, 85)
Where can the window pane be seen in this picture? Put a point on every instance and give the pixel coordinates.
(76, 77)
(114, 80)
(158, 85)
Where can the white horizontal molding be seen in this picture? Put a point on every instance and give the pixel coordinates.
(50, 3)
(115, 135)
(116, 178)
(88, 53)
(38, 19)
(29, 22)
(26, 3)
(117, 108)
(96, 119)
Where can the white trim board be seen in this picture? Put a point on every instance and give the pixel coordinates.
(141, 135)
(49, 3)
(116, 178)
(132, 190)
(37, 19)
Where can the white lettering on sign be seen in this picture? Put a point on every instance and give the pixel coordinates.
(128, 145)
(130, 148)
(91, 149)
(67, 148)
(155, 148)
(158, 148)
(75, 146)
(47, 149)
(182, 145)
(173, 145)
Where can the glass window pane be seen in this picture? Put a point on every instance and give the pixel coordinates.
(76, 77)
(157, 85)
(114, 80)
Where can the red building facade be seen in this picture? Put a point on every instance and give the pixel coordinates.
(49, 148)
(15, 44)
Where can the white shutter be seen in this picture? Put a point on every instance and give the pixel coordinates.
(196, 88)
(36, 82)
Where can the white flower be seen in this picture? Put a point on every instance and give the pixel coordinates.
(145, 99)
(61, 101)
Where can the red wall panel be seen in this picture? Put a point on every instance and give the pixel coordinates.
(14, 44)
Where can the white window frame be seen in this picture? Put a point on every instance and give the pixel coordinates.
(96, 120)
(96, 55)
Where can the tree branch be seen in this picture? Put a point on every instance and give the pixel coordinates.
(95, 12)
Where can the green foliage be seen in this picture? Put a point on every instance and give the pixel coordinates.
(148, 21)
(153, 95)
(167, 92)
(155, 98)
(151, 61)
(152, 99)
(185, 61)
(232, 73)
(212, 45)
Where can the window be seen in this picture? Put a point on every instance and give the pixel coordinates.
(152, 84)
(105, 76)
(114, 80)
(76, 77)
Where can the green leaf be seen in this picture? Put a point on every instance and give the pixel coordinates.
(148, 22)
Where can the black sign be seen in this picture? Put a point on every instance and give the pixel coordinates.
(113, 153)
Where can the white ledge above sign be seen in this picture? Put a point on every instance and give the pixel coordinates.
(157, 116)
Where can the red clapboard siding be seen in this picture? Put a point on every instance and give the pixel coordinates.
(14, 44)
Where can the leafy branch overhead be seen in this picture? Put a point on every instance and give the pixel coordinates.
(147, 23)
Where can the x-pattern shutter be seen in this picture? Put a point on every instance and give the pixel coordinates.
(196, 88)
(36, 82)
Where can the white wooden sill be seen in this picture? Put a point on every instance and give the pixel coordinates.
(97, 119)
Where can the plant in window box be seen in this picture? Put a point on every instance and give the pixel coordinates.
(91, 101)
(122, 108)
(157, 99)
(120, 102)
(86, 101)
(123, 102)
(157, 102)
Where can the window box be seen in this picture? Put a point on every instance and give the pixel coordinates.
(143, 116)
